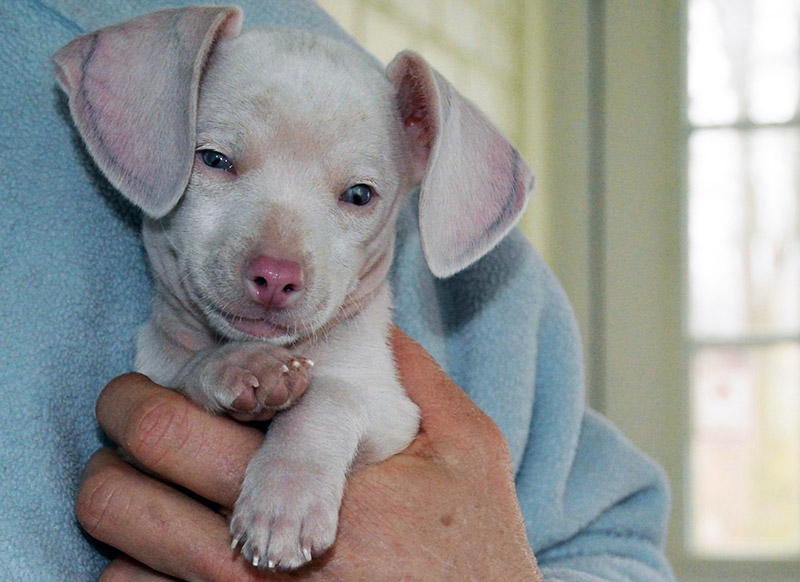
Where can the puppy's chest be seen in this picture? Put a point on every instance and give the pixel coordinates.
(359, 356)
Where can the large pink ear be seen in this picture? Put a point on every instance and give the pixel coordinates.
(132, 92)
(473, 184)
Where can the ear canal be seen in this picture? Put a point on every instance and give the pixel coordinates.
(132, 92)
(473, 183)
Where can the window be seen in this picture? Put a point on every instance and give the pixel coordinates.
(743, 278)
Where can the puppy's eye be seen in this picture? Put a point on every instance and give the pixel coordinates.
(215, 160)
(358, 195)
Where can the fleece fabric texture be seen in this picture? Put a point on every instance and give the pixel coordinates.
(74, 289)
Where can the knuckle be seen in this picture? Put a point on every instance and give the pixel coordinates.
(483, 443)
(492, 434)
(115, 572)
(112, 574)
(157, 426)
(119, 385)
(124, 381)
(492, 439)
(99, 494)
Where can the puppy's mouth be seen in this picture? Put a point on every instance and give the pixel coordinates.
(236, 318)
(258, 327)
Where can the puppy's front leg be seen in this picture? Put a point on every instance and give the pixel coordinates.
(288, 508)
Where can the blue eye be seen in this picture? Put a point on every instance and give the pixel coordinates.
(358, 195)
(216, 160)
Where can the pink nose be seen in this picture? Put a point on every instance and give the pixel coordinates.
(274, 282)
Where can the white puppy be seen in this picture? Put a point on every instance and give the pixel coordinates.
(270, 167)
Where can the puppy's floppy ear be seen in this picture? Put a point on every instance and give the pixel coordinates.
(473, 184)
(132, 92)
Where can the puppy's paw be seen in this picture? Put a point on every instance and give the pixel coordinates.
(286, 518)
(249, 381)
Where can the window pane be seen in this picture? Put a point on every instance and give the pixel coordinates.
(744, 232)
(744, 60)
(745, 452)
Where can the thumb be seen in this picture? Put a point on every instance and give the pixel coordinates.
(443, 405)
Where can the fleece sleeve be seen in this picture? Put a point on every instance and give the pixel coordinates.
(595, 508)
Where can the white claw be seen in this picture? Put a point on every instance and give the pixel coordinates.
(309, 363)
(255, 561)
(307, 554)
(270, 564)
(295, 364)
(235, 541)
(285, 369)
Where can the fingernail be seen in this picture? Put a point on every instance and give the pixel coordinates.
(307, 554)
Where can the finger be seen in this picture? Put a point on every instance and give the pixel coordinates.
(155, 524)
(124, 569)
(173, 438)
(442, 403)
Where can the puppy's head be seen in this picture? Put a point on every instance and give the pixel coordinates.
(272, 164)
(287, 220)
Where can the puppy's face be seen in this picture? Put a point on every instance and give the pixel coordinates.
(271, 165)
(287, 223)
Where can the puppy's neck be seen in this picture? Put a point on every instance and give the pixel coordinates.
(181, 321)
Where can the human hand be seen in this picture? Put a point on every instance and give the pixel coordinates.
(444, 509)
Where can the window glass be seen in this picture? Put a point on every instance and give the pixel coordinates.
(743, 312)
(745, 452)
(744, 61)
(744, 232)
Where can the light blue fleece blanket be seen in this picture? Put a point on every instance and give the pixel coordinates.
(74, 289)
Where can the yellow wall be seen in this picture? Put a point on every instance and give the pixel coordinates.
(471, 42)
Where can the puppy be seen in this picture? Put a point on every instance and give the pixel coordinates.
(270, 167)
